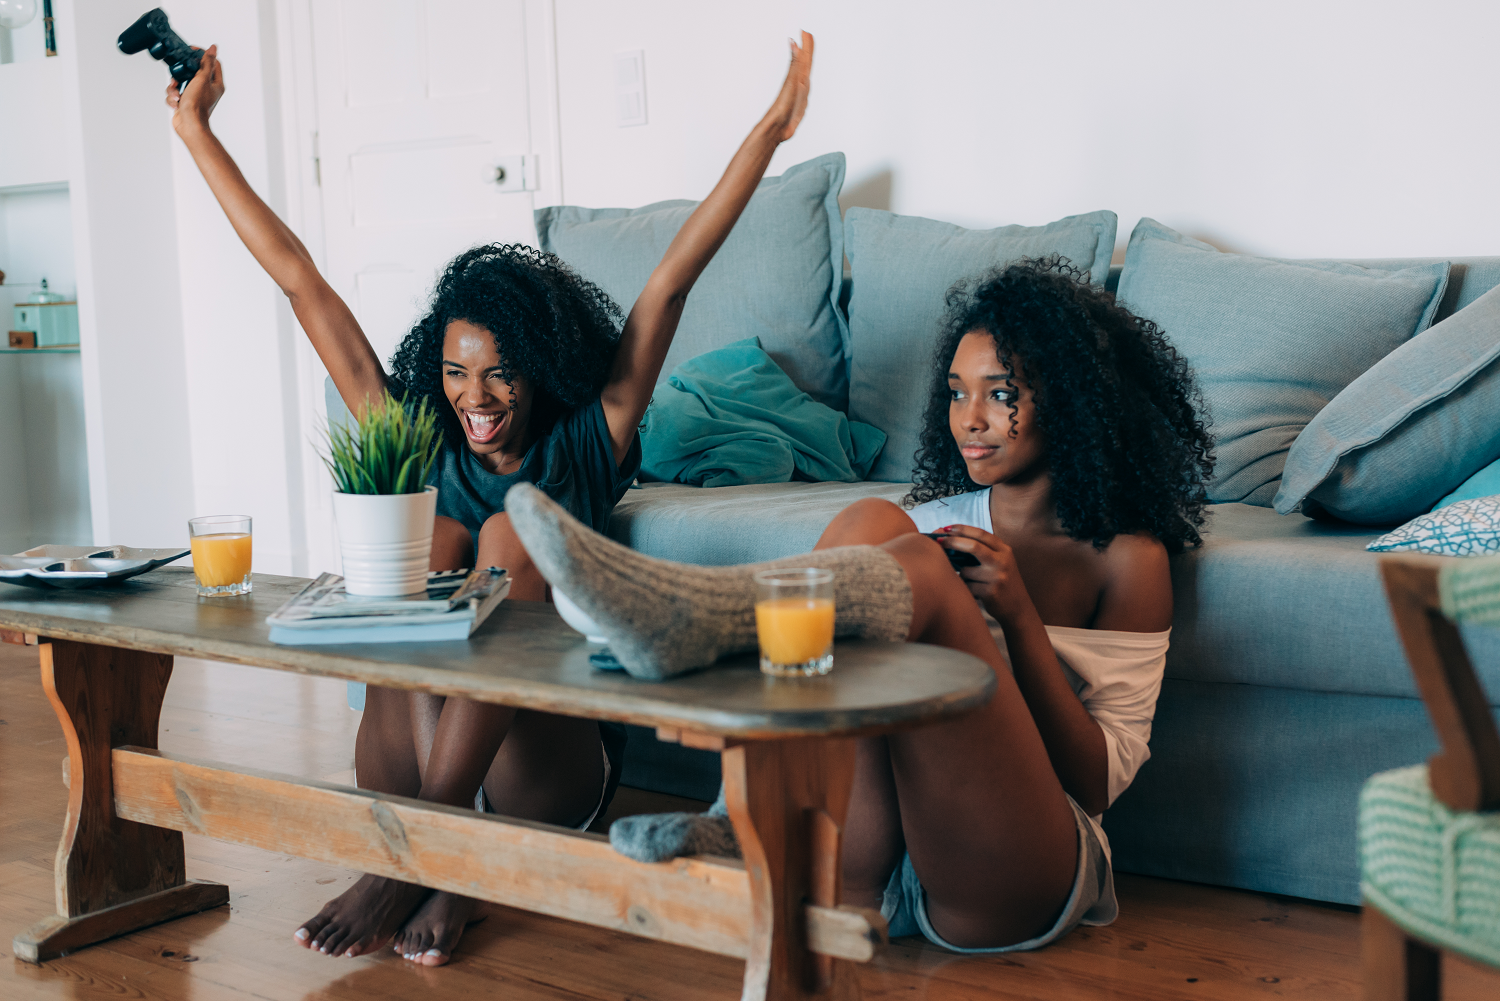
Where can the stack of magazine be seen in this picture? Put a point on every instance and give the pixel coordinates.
(455, 604)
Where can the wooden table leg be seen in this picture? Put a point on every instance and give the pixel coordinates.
(788, 800)
(1397, 967)
(113, 876)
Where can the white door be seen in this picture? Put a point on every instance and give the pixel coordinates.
(419, 102)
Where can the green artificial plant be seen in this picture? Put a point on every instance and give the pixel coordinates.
(388, 450)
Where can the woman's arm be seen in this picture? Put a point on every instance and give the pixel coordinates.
(654, 317)
(331, 327)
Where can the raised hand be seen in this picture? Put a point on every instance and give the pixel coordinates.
(197, 103)
(791, 104)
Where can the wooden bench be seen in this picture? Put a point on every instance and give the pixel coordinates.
(788, 757)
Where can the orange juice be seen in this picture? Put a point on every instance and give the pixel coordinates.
(794, 630)
(221, 560)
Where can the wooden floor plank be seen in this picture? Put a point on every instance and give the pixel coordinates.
(1173, 941)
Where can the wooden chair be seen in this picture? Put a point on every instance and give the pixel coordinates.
(1430, 835)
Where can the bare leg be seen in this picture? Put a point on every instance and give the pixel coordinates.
(993, 841)
(548, 768)
(452, 546)
(499, 547)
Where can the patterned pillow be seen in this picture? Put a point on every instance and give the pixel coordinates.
(1467, 528)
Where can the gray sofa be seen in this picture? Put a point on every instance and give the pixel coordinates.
(1285, 689)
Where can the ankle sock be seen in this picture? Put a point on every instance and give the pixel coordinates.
(658, 837)
(663, 618)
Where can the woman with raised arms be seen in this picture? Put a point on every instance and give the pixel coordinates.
(533, 382)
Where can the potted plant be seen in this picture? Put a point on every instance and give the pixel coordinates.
(383, 506)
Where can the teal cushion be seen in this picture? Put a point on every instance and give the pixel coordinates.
(777, 276)
(1271, 341)
(902, 267)
(1485, 483)
(1433, 872)
(1409, 430)
(730, 416)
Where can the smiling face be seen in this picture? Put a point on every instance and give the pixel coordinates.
(998, 445)
(494, 413)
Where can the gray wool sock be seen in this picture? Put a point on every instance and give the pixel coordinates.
(658, 837)
(663, 618)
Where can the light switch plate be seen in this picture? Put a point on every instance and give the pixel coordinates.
(630, 87)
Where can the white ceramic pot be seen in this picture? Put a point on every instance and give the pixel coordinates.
(385, 541)
(577, 617)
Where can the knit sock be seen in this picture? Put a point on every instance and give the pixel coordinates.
(657, 837)
(663, 618)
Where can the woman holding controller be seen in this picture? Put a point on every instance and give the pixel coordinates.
(533, 383)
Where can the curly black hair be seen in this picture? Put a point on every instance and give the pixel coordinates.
(1116, 404)
(551, 326)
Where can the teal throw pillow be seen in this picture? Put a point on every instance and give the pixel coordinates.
(777, 276)
(902, 268)
(1271, 341)
(1468, 528)
(1485, 483)
(731, 416)
(1408, 431)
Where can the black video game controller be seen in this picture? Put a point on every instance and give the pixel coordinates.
(153, 33)
(955, 557)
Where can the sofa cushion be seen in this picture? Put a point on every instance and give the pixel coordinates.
(902, 268)
(742, 524)
(1290, 602)
(776, 277)
(1409, 430)
(1271, 341)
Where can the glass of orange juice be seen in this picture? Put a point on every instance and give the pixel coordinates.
(221, 554)
(794, 621)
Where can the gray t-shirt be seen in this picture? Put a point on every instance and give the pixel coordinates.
(573, 462)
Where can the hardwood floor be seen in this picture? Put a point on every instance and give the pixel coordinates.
(1172, 941)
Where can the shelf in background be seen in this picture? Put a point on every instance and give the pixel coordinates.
(70, 350)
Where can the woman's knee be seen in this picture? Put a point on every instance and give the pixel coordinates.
(869, 521)
(452, 546)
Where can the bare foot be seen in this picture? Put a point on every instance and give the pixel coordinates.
(362, 918)
(433, 931)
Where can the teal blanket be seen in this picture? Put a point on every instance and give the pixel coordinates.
(732, 416)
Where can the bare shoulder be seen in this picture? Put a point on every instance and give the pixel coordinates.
(1138, 585)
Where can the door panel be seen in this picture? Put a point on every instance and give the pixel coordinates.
(417, 101)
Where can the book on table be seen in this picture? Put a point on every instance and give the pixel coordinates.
(455, 604)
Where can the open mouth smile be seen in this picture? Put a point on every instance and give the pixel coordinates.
(482, 428)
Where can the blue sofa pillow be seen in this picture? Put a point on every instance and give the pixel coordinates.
(1468, 528)
(1409, 430)
(777, 276)
(902, 267)
(1271, 341)
(1485, 483)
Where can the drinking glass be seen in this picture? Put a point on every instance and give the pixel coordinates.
(221, 554)
(794, 621)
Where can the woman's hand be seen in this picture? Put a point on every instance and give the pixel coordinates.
(194, 106)
(996, 582)
(791, 104)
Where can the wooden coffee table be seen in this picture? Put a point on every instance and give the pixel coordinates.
(788, 756)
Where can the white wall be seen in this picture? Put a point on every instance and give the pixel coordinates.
(36, 242)
(239, 346)
(130, 304)
(1288, 127)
